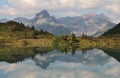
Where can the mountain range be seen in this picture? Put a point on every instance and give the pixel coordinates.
(3, 20)
(90, 23)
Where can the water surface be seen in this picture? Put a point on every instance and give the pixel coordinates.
(52, 63)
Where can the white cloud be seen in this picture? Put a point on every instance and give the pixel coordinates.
(115, 8)
(28, 69)
(8, 10)
(23, 4)
(29, 7)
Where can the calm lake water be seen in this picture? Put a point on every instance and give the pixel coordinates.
(37, 63)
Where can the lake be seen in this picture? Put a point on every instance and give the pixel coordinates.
(53, 63)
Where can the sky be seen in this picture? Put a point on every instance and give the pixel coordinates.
(59, 8)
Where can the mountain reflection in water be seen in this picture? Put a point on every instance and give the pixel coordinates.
(51, 63)
(91, 58)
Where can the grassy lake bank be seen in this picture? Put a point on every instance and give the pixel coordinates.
(57, 42)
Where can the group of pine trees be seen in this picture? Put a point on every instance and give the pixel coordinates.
(67, 37)
(73, 37)
(41, 32)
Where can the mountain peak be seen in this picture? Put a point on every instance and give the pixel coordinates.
(43, 13)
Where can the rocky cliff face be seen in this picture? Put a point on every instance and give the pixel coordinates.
(90, 23)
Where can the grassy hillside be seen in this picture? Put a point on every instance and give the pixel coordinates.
(114, 32)
(14, 30)
(16, 34)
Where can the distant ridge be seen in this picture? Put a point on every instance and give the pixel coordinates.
(90, 23)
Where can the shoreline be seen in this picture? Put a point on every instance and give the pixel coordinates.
(106, 42)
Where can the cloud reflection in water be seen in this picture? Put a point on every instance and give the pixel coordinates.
(60, 69)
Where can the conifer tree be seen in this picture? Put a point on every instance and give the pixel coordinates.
(33, 27)
(73, 36)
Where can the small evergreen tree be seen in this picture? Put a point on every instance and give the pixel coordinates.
(84, 36)
(33, 28)
(73, 37)
(64, 37)
(41, 31)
